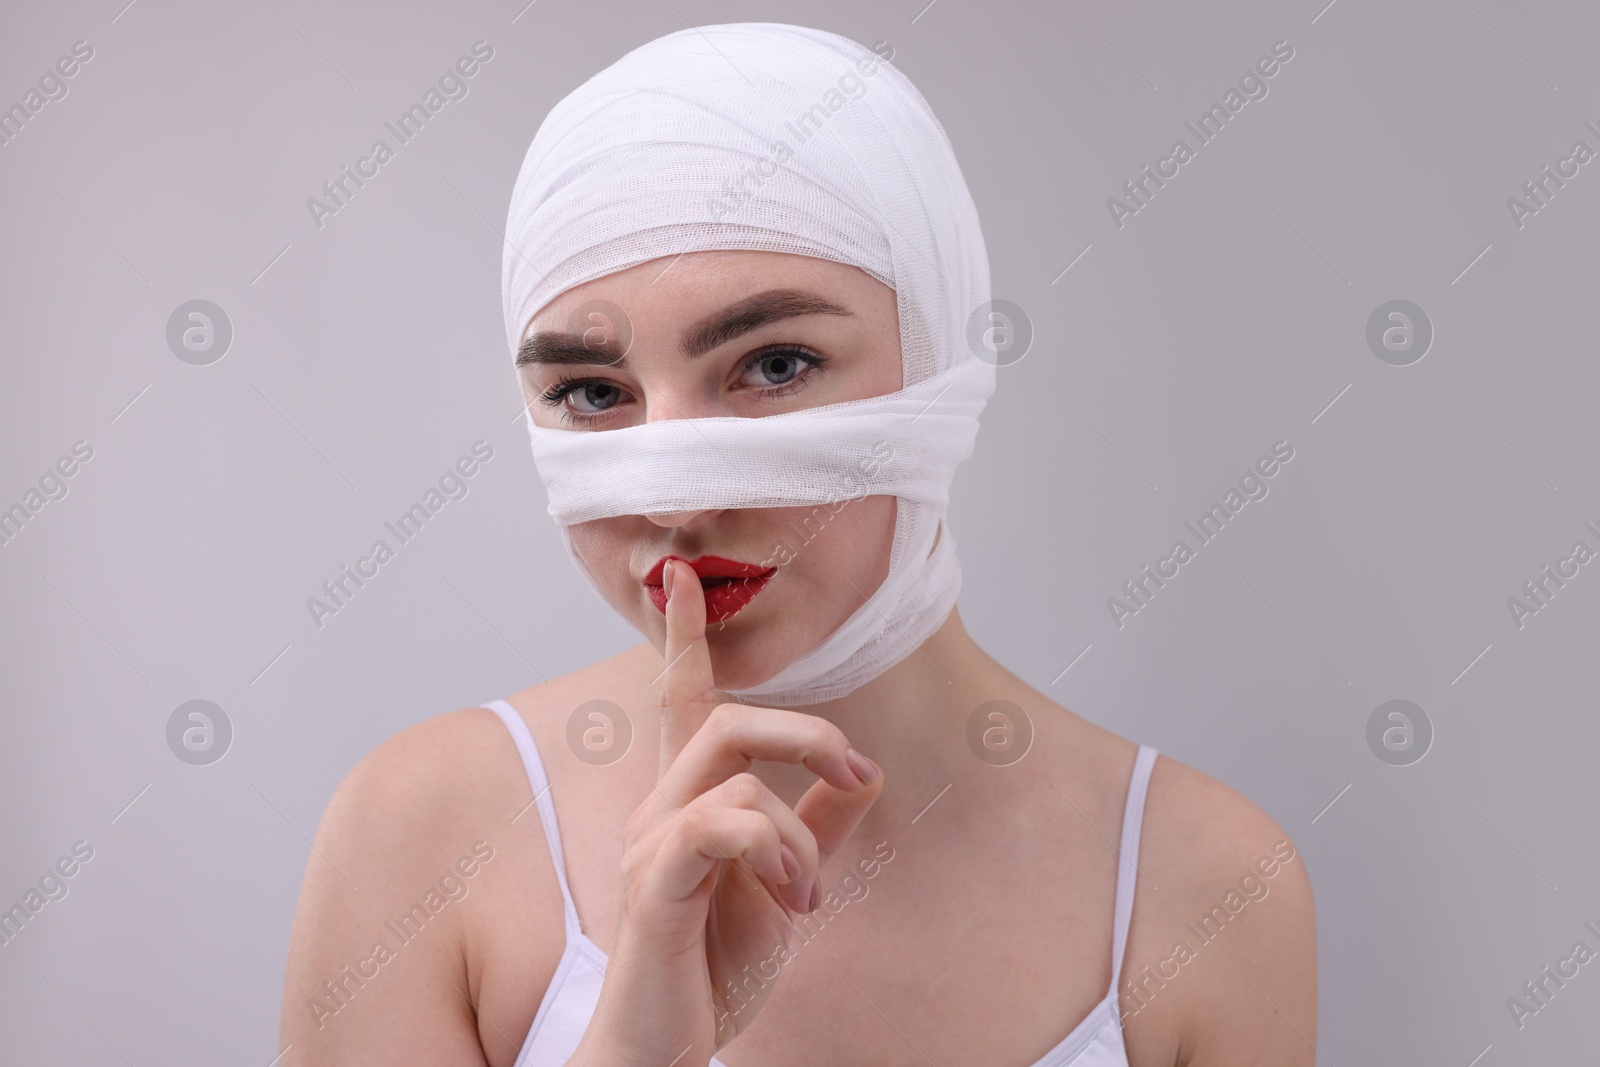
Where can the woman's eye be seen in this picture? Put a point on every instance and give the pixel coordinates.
(768, 375)
(583, 400)
(601, 395)
(777, 368)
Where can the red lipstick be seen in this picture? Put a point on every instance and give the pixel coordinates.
(728, 585)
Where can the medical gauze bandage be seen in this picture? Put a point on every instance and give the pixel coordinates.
(778, 138)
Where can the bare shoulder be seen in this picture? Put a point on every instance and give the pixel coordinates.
(409, 861)
(423, 783)
(1198, 824)
(1222, 961)
(423, 797)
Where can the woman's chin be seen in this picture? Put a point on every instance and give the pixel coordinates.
(743, 658)
(747, 650)
(735, 672)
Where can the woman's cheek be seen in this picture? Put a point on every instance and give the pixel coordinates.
(604, 551)
(841, 555)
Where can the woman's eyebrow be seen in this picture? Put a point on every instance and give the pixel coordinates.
(709, 333)
(752, 313)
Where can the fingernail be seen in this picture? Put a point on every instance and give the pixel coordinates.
(861, 765)
(791, 864)
(816, 894)
(666, 581)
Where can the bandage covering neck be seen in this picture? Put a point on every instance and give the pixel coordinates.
(777, 138)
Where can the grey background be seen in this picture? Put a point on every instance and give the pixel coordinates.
(1227, 315)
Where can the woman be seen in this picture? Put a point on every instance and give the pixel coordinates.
(742, 275)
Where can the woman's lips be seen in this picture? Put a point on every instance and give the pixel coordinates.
(728, 584)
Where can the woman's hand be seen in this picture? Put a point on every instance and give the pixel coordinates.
(714, 864)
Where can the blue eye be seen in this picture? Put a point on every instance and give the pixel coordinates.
(601, 394)
(782, 369)
(789, 362)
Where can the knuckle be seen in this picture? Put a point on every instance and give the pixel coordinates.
(755, 827)
(826, 735)
(636, 861)
(693, 820)
(745, 790)
(680, 836)
(726, 717)
(640, 823)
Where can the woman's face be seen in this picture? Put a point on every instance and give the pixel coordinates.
(740, 333)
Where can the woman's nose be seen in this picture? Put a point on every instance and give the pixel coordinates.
(679, 518)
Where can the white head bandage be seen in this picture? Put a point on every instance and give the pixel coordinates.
(786, 139)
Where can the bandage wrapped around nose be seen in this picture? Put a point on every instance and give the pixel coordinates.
(777, 138)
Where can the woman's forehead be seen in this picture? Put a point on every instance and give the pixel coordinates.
(686, 288)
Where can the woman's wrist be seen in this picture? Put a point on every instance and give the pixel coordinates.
(595, 1050)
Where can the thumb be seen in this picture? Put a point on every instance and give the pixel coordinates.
(832, 814)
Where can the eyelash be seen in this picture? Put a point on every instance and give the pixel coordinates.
(558, 393)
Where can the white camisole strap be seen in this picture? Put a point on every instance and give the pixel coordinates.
(547, 808)
(1128, 853)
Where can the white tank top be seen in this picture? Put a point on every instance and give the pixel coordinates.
(570, 1000)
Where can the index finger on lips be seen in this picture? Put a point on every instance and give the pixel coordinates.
(688, 693)
(736, 735)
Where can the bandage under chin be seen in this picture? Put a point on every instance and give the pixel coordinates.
(635, 165)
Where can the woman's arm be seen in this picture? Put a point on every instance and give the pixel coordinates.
(1261, 1002)
(377, 969)
(1228, 969)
